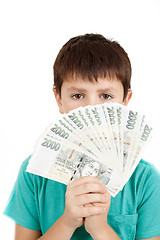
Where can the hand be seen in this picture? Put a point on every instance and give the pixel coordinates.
(97, 224)
(79, 194)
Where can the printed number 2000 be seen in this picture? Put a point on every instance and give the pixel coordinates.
(50, 144)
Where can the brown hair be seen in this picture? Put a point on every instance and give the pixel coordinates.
(92, 56)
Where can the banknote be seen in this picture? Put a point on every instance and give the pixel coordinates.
(105, 141)
(64, 162)
(55, 159)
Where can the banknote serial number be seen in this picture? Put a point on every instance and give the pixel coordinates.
(51, 144)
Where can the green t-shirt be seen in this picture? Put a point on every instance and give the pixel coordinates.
(36, 203)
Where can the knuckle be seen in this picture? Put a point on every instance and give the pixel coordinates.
(93, 210)
(99, 187)
(85, 186)
(101, 198)
(105, 198)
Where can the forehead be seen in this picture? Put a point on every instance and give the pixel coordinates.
(72, 84)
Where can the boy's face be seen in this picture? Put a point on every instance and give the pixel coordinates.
(76, 93)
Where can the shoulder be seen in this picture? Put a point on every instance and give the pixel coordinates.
(23, 175)
(36, 182)
(27, 181)
(25, 164)
(147, 179)
(147, 171)
(146, 175)
(144, 181)
(145, 164)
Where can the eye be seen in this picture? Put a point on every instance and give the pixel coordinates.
(106, 96)
(77, 96)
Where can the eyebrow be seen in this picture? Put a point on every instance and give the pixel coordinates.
(84, 90)
(76, 89)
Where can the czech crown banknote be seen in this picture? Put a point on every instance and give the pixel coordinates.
(104, 140)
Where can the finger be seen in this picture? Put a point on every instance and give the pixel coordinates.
(89, 205)
(89, 188)
(83, 180)
(92, 210)
(91, 198)
(104, 205)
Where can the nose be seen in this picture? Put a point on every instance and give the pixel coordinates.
(92, 101)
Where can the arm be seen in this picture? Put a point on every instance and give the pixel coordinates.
(28, 234)
(25, 233)
(55, 231)
(108, 234)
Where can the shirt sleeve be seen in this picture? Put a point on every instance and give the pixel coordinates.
(21, 206)
(149, 208)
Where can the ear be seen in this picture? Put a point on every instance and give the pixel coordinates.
(58, 100)
(128, 97)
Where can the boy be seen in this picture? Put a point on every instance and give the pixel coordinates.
(88, 70)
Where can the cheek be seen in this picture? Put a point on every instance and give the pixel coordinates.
(66, 105)
(118, 99)
(70, 105)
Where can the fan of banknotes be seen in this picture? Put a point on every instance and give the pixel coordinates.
(104, 140)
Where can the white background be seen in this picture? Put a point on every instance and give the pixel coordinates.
(31, 34)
